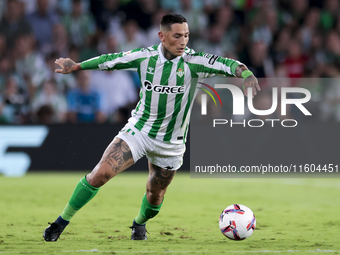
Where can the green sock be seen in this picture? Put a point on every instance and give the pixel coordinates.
(82, 194)
(147, 211)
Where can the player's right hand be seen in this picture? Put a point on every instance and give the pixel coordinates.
(67, 65)
(251, 82)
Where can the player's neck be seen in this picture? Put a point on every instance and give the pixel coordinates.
(167, 53)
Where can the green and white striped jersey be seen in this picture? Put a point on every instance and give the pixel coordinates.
(168, 87)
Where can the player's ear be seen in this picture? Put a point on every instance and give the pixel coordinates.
(161, 36)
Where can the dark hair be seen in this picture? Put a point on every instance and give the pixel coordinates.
(170, 19)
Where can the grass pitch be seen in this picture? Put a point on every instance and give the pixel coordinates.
(299, 216)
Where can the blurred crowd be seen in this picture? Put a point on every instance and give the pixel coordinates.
(274, 38)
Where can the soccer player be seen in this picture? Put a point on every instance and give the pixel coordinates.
(157, 129)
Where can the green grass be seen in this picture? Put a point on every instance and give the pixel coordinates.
(298, 216)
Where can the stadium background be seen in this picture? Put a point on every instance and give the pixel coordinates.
(274, 38)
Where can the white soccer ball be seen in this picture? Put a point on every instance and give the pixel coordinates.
(237, 222)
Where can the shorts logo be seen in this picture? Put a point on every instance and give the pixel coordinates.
(128, 131)
(180, 72)
(163, 89)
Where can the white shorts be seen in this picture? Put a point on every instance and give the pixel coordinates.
(162, 154)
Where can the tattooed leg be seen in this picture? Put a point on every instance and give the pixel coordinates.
(158, 181)
(116, 158)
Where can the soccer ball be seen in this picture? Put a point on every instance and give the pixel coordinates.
(237, 222)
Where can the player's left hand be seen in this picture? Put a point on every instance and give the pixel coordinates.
(251, 82)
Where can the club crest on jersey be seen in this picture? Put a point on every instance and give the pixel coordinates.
(180, 72)
(163, 89)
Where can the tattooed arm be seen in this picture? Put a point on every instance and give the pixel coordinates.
(67, 65)
(249, 82)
